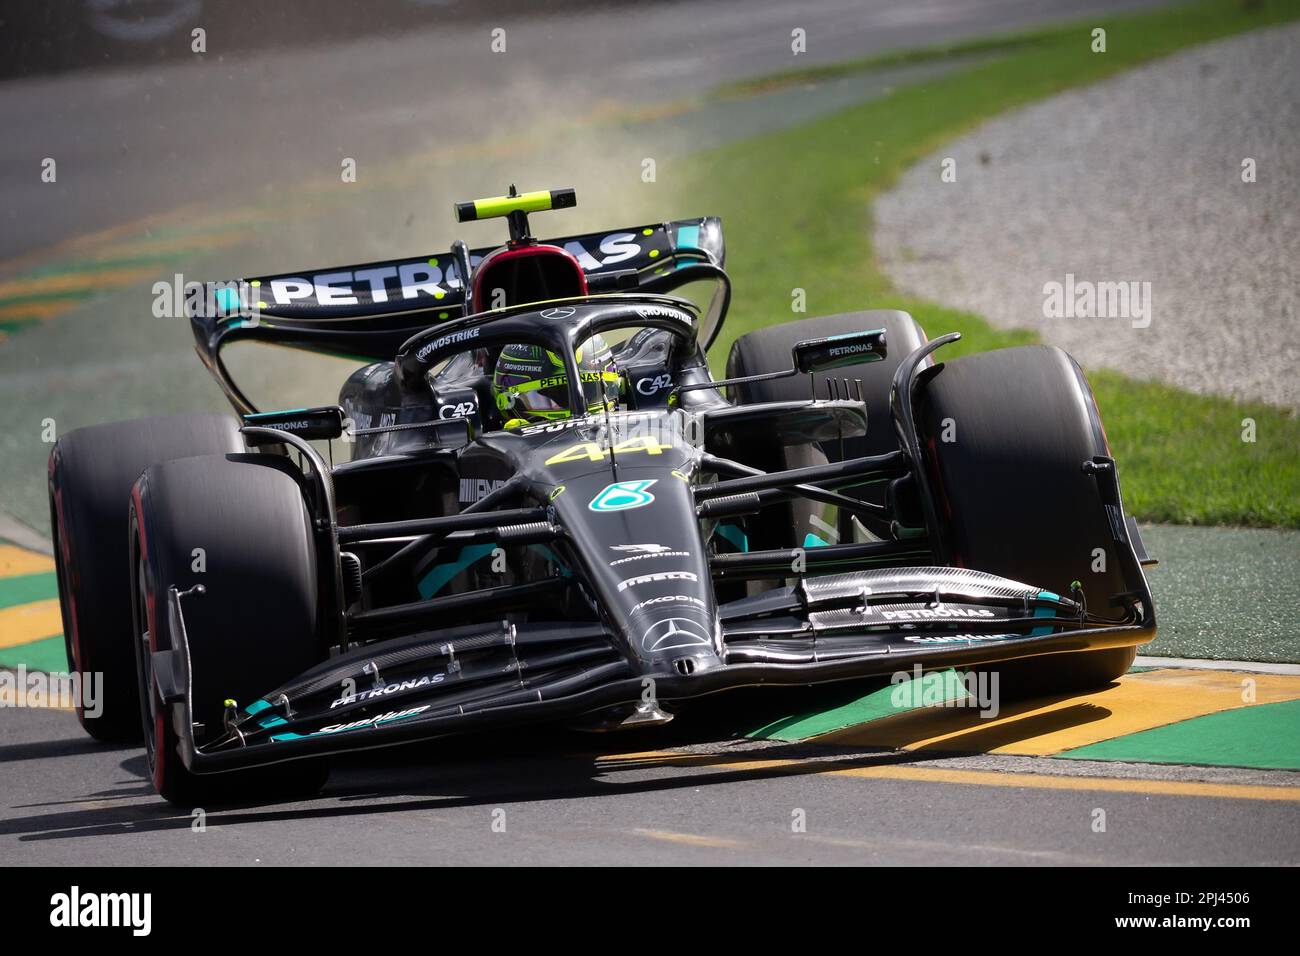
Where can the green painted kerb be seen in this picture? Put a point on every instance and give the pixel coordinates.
(48, 654)
(1266, 737)
(26, 588)
(933, 689)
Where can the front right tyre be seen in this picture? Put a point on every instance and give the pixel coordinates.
(1006, 434)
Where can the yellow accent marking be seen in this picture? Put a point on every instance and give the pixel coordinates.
(161, 247)
(433, 262)
(9, 697)
(36, 310)
(976, 778)
(1051, 725)
(255, 283)
(691, 839)
(592, 452)
(504, 205)
(654, 253)
(73, 281)
(15, 560)
(647, 232)
(993, 778)
(25, 623)
(583, 451)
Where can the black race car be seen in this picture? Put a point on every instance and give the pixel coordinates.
(552, 511)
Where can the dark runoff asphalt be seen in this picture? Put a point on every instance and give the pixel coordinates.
(688, 793)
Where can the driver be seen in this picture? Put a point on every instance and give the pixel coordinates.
(531, 385)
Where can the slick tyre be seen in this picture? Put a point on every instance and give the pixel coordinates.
(768, 350)
(238, 526)
(91, 471)
(1007, 433)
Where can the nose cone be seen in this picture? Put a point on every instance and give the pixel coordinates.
(640, 540)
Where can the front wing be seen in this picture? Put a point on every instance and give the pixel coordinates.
(477, 677)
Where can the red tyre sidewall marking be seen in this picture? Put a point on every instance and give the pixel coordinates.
(70, 583)
(150, 601)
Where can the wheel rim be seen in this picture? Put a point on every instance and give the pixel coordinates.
(150, 710)
(63, 577)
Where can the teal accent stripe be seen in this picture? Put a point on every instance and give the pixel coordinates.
(256, 707)
(812, 541)
(442, 574)
(735, 535)
(227, 298)
(283, 411)
(1044, 612)
(688, 237)
(846, 335)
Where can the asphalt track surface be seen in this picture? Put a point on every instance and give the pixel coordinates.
(131, 143)
(686, 794)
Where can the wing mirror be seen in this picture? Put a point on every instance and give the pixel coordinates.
(837, 351)
(810, 357)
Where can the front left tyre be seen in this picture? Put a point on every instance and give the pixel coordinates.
(91, 471)
(238, 526)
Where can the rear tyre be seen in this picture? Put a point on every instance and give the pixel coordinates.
(238, 526)
(1021, 422)
(91, 472)
(768, 350)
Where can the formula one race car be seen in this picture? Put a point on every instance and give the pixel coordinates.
(553, 511)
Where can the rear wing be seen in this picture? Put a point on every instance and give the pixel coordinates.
(435, 283)
(367, 311)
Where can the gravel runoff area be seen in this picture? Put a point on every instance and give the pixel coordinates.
(1138, 179)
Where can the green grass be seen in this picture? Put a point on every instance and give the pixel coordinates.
(797, 207)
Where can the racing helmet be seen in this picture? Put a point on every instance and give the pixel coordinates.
(531, 385)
